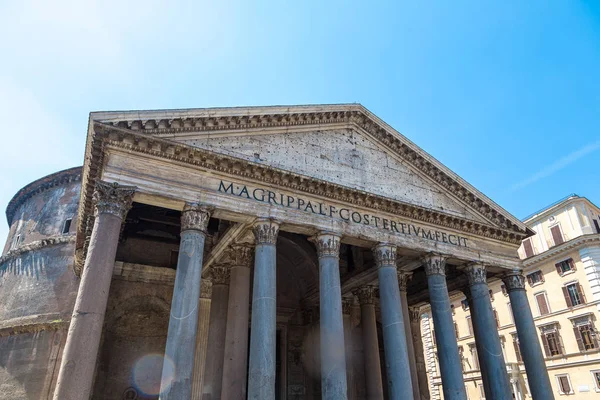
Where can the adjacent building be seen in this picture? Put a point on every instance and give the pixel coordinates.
(562, 269)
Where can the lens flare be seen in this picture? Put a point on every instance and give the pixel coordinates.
(147, 373)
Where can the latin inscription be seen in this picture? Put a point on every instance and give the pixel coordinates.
(345, 214)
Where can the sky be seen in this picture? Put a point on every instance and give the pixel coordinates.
(505, 93)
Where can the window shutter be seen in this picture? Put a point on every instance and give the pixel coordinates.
(497, 320)
(581, 295)
(528, 248)
(572, 264)
(558, 269)
(542, 304)
(517, 350)
(556, 235)
(578, 338)
(545, 344)
(529, 280)
(567, 297)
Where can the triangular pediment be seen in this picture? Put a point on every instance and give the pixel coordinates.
(342, 144)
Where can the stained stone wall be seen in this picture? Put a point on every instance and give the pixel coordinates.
(37, 285)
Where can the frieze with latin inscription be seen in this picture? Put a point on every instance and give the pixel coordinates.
(345, 214)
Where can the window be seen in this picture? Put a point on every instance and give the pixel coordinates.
(556, 235)
(15, 242)
(573, 294)
(503, 289)
(67, 226)
(564, 384)
(469, 325)
(481, 391)
(528, 248)
(456, 329)
(535, 278)
(474, 356)
(596, 375)
(585, 334)
(496, 317)
(517, 347)
(465, 304)
(433, 337)
(551, 340)
(542, 303)
(565, 266)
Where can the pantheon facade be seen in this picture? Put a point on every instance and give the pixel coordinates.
(254, 253)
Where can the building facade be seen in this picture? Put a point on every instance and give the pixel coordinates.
(262, 253)
(562, 268)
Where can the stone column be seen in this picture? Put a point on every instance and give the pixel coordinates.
(403, 278)
(415, 327)
(76, 374)
(201, 338)
(368, 323)
(531, 352)
(347, 316)
(333, 360)
(235, 362)
(261, 380)
(394, 333)
(178, 367)
(449, 359)
(489, 349)
(216, 333)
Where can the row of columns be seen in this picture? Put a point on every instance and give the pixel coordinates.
(227, 353)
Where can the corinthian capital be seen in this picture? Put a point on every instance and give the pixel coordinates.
(403, 278)
(205, 288)
(366, 294)
(241, 255)
(476, 273)
(195, 217)
(220, 275)
(266, 231)
(112, 198)
(385, 255)
(435, 264)
(328, 244)
(514, 281)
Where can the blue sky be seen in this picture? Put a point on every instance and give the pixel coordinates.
(506, 94)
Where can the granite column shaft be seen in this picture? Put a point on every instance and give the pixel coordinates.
(403, 278)
(449, 358)
(76, 374)
(261, 380)
(417, 339)
(489, 348)
(216, 333)
(333, 359)
(394, 333)
(531, 352)
(178, 367)
(372, 362)
(236, 339)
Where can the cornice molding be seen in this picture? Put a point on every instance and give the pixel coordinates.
(41, 185)
(144, 136)
(33, 324)
(572, 244)
(37, 245)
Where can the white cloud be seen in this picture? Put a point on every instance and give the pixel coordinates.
(558, 165)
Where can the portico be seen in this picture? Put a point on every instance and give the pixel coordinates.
(292, 212)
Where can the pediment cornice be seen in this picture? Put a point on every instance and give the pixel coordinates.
(150, 142)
